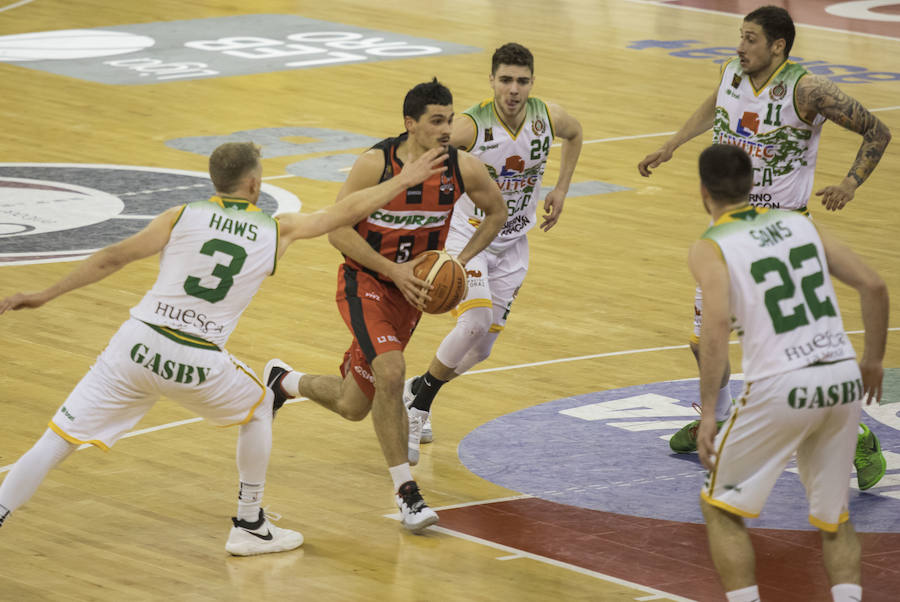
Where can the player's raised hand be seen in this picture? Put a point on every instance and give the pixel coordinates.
(654, 160)
(429, 163)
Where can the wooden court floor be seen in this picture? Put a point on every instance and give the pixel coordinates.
(606, 305)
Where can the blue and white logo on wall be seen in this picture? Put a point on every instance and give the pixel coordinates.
(608, 451)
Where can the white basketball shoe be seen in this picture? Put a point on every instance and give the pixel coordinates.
(260, 537)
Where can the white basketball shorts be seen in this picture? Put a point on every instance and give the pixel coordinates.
(814, 412)
(494, 279)
(143, 362)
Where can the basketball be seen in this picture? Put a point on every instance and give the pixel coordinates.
(447, 277)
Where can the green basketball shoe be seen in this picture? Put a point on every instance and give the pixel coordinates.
(869, 461)
(685, 440)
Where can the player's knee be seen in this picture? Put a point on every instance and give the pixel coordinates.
(476, 322)
(354, 413)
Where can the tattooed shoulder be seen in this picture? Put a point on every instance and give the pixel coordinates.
(818, 94)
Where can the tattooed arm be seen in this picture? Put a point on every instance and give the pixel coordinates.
(818, 94)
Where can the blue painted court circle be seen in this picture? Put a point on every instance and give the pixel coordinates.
(605, 451)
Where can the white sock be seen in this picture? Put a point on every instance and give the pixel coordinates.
(249, 501)
(253, 449)
(723, 403)
(846, 592)
(291, 383)
(747, 594)
(400, 474)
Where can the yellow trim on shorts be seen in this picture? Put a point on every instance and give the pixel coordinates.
(726, 507)
(255, 405)
(695, 339)
(830, 527)
(55, 428)
(734, 415)
(467, 305)
(495, 328)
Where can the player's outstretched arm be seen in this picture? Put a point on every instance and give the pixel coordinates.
(847, 267)
(699, 122)
(569, 129)
(485, 194)
(104, 262)
(711, 274)
(361, 202)
(818, 94)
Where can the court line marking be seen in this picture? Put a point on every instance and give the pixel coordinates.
(594, 141)
(169, 425)
(516, 553)
(15, 5)
(721, 12)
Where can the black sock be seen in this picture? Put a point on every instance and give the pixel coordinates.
(426, 387)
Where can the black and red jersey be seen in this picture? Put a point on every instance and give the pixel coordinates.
(418, 218)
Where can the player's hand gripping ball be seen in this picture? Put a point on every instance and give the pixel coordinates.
(447, 276)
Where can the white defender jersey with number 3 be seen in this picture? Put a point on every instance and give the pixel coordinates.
(782, 299)
(515, 160)
(218, 254)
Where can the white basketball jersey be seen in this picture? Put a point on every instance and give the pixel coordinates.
(516, 161)
(765, 123)
(218, 254)
(782, 299)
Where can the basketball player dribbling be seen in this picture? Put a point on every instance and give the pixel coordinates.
(379, 297)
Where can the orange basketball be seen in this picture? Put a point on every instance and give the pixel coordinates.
(447, 277)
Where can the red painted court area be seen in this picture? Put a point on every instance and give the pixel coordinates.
(814, 13)
(671, 556)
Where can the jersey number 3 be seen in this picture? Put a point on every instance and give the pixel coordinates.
(225, 273)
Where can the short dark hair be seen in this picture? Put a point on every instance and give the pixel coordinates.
(776, 23)
(726, 172)
(512, 54)
(428, 93)
(230, 163)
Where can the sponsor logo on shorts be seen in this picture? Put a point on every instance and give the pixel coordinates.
(168, 369)
(66, 413)
(372, 295)
(824, 397)
(365, 374)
